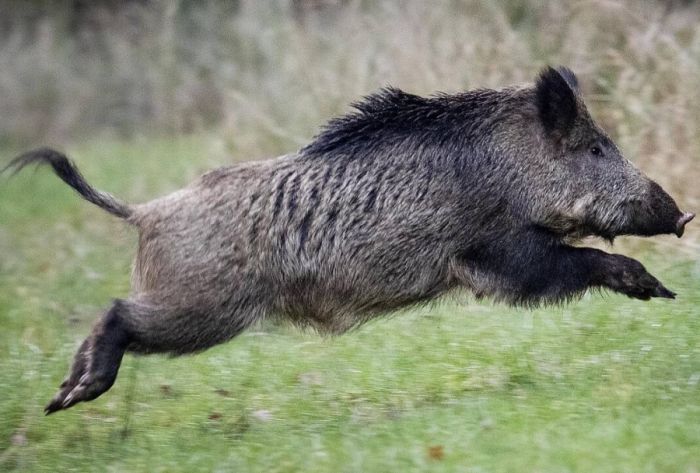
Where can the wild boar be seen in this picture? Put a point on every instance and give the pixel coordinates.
(394, 204)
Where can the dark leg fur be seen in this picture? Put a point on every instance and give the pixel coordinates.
(553, 273)
(570, 270)
(97, 362)
(627, 276)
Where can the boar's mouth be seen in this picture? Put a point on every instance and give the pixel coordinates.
(637, 223)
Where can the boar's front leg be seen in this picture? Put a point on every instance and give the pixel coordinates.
(549, 273)
(625, 275)
(565, 271)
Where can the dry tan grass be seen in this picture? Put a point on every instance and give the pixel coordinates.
(264, 80)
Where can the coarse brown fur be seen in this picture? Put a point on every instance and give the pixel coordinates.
(392, 205)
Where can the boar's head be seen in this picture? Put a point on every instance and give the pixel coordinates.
(586, 186)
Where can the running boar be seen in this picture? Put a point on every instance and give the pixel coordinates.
(394, 204)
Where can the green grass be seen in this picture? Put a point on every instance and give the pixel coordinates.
(606, 384)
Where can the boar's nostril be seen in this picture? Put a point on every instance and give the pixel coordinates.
(680, 225)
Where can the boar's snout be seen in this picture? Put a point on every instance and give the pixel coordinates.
(680, 225)
(660, 214)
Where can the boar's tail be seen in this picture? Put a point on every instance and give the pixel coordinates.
(68, 172)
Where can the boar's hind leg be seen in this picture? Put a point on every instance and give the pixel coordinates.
(141, 327)
(96, 363)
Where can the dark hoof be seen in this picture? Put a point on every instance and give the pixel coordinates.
(93, 372)
(647, 286)
(79, 367)
(661, 291)
(629, 277)
(88, 388)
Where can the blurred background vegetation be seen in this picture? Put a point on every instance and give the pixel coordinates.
(147, 94)
(265, 74)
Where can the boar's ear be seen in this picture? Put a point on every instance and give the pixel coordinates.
(556, 100)
(569, 77)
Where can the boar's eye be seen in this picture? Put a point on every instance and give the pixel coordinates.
(596, 151)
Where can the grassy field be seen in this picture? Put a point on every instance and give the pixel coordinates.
(606, 384)
(603, 385)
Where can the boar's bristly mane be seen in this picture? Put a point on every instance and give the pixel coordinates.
(392, 117)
